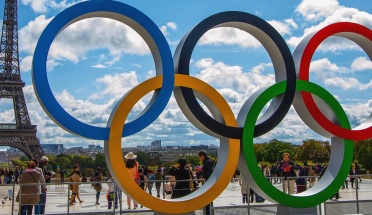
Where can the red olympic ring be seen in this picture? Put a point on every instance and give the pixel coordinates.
(336, 29)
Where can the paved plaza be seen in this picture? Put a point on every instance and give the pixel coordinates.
(57, 201)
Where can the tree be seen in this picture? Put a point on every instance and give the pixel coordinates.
(143, 158)
(314, 151)
(365, 153)
(273, 150)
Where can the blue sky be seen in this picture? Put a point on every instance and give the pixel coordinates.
(96, 61)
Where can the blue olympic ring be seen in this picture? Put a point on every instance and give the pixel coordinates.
(120, 12)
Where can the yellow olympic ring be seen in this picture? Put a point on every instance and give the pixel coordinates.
(201, 197)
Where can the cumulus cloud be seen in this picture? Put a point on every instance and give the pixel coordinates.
(42, 6)
(327, 13)
(221, 75)
(79, 38)
(115, 85)
(348, 83)
(284, 27)
(229, 36)
(361, 64)
(315, 10)
(170, 25)
(333, 75)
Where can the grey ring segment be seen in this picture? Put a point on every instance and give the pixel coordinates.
(278, 52)
(298, 102)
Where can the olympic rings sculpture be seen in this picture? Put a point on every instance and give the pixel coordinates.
(172, 74)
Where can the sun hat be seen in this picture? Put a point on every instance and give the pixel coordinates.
(130, 156)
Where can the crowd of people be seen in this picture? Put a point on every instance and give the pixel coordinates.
(184, 179)
(296, 178)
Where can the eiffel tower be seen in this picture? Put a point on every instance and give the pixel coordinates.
(22, 134)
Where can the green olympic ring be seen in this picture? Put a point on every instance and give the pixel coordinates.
(340, 161)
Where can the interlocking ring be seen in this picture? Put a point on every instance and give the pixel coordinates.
(234, 134)
(309, 110)
(126, 14)
(278, 52)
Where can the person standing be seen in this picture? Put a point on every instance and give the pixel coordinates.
(44, 161)
(132, 167)
(352, 174)
(208, 165)
(142, 180)
(1, 175)
(207, 170)
(58, 175)
(158, 179)
(62, 174)
(301, 180)
(75, 177)
(357, 167)
(150, 180)
(311, 179)
(98, 186)
(42, 187)
(30, 194)
(286, 168)
(244, 189)
(8, 180)
(182, 175)
(16, 175)
(112, 193)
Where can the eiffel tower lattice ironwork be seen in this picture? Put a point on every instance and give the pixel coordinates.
(21, 135)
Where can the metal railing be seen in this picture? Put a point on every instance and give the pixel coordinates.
(64, 193)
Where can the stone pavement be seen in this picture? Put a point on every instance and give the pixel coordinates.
(229, 202)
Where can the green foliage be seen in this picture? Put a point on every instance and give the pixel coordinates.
(18, 162)
(143, 158)
(24, 158)
(364, 154)
(273, 150)
(314, 151)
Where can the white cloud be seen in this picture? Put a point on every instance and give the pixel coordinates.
(325, 69)
(115, 85)
(241, 84)
(169, 25)
(229, 36)
(348, 83)
(361, 63)
(284, 27)
(99, 66)
(332, 13)
(79, 38)
(42, 6)
(29, 34)
(333, 75)
(26, 63)
(315, 10)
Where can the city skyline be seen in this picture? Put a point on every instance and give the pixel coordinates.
(94, 62)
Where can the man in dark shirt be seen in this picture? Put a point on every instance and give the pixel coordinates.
(208, 165)
(207, 170)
